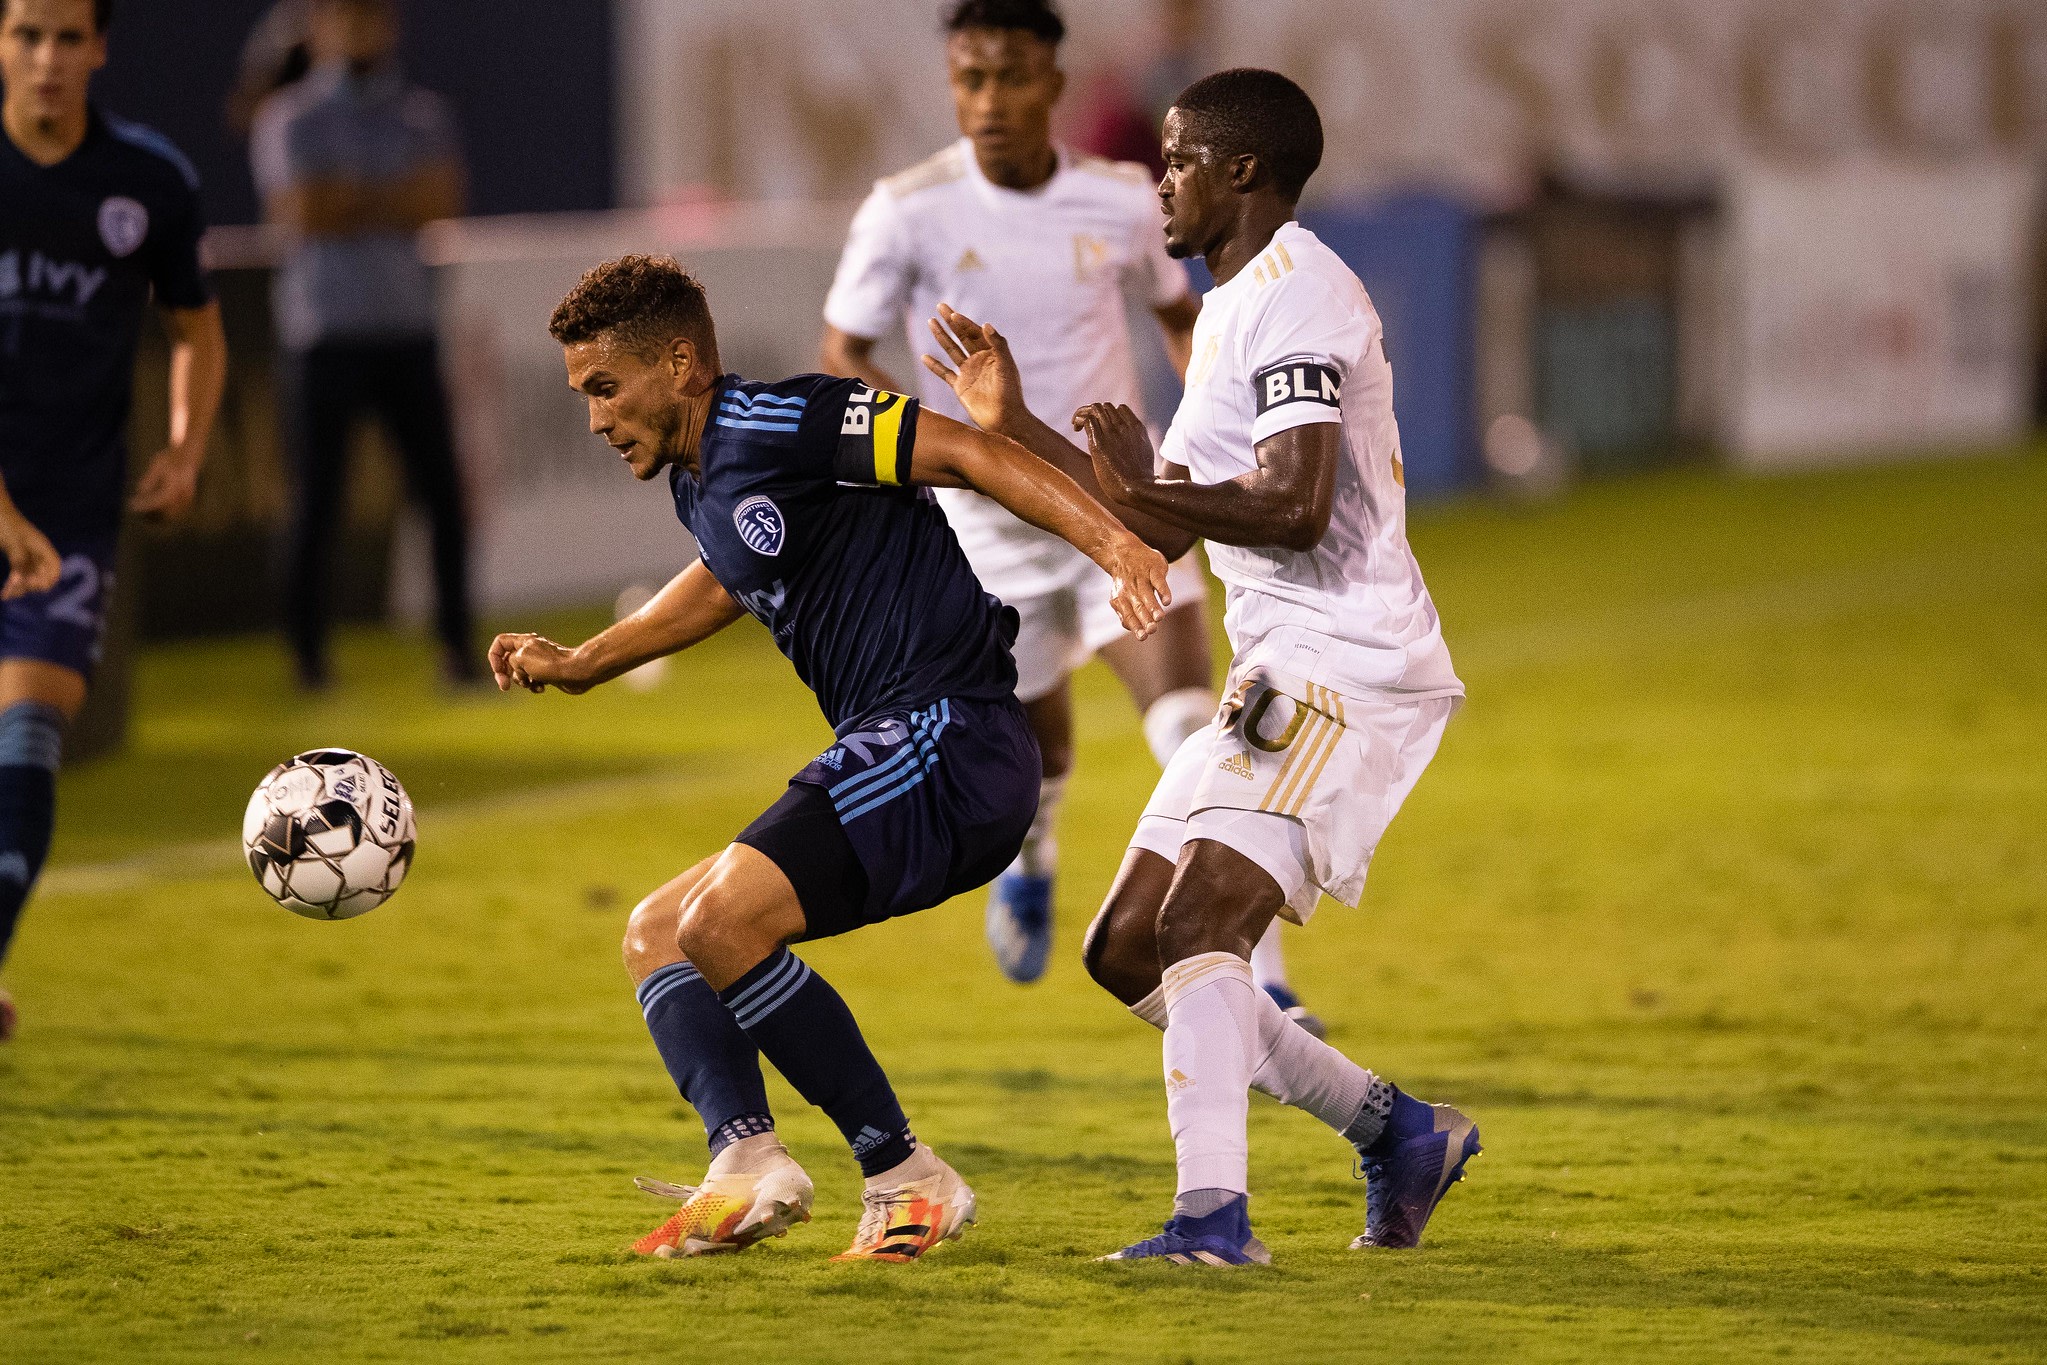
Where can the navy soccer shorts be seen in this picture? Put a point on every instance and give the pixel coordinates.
(911, 810)
(67, 624)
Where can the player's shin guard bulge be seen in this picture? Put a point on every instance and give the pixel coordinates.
(754, 1190)
(1210, 1054)
(910, 1209)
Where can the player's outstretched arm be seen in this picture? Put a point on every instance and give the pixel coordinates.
(1285, 503)
(950, 454)
(691, 609)
(985, 377)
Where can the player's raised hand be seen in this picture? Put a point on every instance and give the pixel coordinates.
(33, 564)
(1141, 594)
(1118, 444)
(983, 373)
(167, 487)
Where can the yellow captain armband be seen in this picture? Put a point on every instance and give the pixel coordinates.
(875, 438)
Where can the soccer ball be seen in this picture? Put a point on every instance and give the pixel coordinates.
(329, 834)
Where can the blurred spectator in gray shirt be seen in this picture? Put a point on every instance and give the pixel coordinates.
(351, 162)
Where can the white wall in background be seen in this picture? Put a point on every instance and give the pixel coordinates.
(1878, 307)
(753, 99)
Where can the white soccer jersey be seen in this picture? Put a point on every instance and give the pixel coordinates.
(1049, 268)
(1293, 339)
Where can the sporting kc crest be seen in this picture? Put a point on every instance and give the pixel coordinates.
(123, 224)
(761, 525)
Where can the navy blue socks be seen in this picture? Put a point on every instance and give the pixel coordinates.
(715, 1066)
(800, 1024)
(31, 742)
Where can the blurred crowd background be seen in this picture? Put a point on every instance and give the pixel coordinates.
(1606, 235)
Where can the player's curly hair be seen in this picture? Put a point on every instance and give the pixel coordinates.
(648, 301)
(102, 14)
(1262, 113)
(1035, 17)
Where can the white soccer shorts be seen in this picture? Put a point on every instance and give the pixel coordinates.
(1058, 631)
(1301, 781)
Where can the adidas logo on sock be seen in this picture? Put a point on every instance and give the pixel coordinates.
(1237, 764)
(1178, 1080)
(869, 1139)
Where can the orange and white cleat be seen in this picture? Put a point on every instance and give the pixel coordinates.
(910, 1210)
(748, 1195)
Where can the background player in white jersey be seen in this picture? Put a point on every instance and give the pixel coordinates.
(1285, 456)
(1018, 231)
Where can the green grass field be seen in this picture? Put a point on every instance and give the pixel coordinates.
(1722, 910)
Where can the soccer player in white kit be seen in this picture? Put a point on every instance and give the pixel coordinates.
(1016, 230)
(1284, 455)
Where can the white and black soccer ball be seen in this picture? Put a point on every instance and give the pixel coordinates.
(329, 834)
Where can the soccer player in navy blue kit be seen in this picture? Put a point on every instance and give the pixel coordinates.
(809, 500)
(96, 215)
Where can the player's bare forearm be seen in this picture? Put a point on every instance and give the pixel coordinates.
(1037, 436)
(198, 378)
(1285, 503)
(431, 193)
(990, 387)
(951, 454)
(692, 608)
(1176, 327)
(341, 207)
(852, 357)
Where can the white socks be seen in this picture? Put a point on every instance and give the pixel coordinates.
(1268, 963)
(747, 1154)
(1210, 1053)
(1040, 855)
(1169, 720)
(1289, 1064)
(920, 1164)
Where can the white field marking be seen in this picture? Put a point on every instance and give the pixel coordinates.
(202, 859)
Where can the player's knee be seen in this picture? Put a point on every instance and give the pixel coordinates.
(1117, 959)
(1094, 949)
(712, 921)
(650, 930)
(1181, 935)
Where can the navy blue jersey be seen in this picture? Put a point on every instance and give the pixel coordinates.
(802, 509)
(82, 245)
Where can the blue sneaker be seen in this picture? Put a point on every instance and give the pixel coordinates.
(1407, 1181)
(1290, 1005)
(1219, 1238)
(1020, 925)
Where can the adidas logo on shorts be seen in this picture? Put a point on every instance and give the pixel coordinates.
(1238, 765)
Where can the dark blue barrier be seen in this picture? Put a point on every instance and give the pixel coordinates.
(1418, 257)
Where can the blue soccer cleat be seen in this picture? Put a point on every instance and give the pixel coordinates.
(1219, 1238)
(1405, 1183)
(1020, 925)
(1290, 1005)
